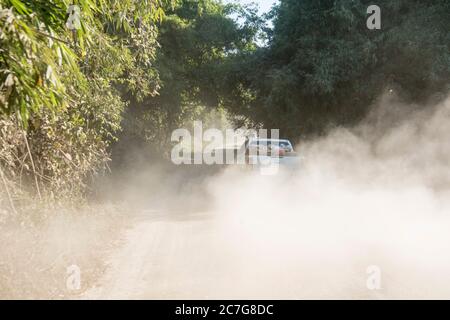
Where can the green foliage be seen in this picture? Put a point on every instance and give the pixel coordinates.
(31, 63)
(68, 89)
(38, 52)
(323, 67)
(196, 40)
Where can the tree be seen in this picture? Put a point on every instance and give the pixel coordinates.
(196, 39)
(66, 87)
(323, 67)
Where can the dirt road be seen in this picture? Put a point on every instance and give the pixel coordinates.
(189, 256)
(166, 256)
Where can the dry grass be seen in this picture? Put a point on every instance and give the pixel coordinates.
(35, 256)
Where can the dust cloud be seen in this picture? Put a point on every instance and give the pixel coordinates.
(374, 195)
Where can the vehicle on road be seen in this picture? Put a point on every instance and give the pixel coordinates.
(265, 152)
(272, 147)
(260, 152)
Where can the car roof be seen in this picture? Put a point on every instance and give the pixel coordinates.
(258, 139)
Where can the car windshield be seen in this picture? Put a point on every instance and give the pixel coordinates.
(277, 143)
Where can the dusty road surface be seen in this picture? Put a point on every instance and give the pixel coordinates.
(262, 238)
(191, 256)
(166, 256)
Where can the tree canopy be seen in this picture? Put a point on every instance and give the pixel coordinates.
(323, 67)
